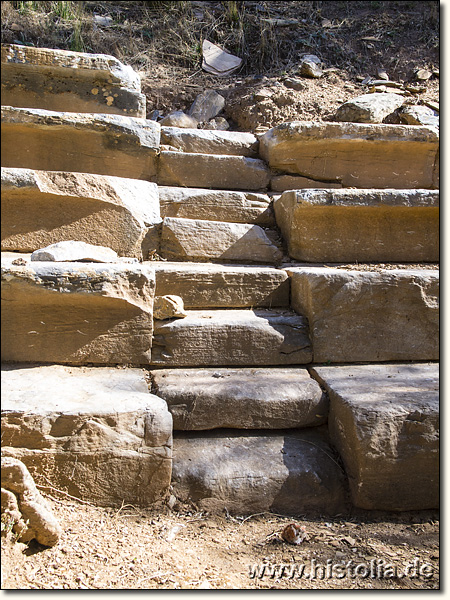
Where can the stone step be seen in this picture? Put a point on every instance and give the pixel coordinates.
(292, 473)
(69, 81)
(384, 421)
(212, 171)
(216, 205)
(231, 338)
(205, 141)
(84, 143)
(199, 240)
(360, 225)
(44, 207)
(95, 432)
(76, 313)
(203, 285)
(355, 154)
(368, 316)
(268, 398)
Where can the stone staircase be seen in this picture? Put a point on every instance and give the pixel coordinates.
(290, 381)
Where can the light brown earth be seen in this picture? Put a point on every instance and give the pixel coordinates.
(129, 548)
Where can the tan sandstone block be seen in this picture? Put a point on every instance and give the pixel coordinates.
(267, 398)
(195, 240)
(360, 225)
(77, 312)
(289, 473)
(369, 316)
(232, 337)
(203, 285)
(384, 421)
(95, 432)
(40, 208)
(84, 143)
(216, 205)
(212, 171)
(354, 154)
(69, 81)
(206, 141)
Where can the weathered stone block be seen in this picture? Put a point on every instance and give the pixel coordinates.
(45, 207)
(291, 473)
(95, 432)
(354, 154)
(369, 108)
(77, 312)
(241, 398)
(212, 171)
(206, 141)
(369, 316)
(69, 81)
(232, 337)
(203, 285)
(281, 183)
(384, 421)
(195, 240)
(216, 205)
(84, 143)
(359, 225)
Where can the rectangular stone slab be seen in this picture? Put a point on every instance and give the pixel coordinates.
(95, 432)
(292, 472)
(212, 171)
(232, 337)
(84, 143)
(77, 313)
(203, 285)
(360, 225)
(40, 208)
(198, 240)
(216, 205)
(69, 81)
(355, 154)
(241, 398)
(384, 421)
(206, 141)
(369, 316)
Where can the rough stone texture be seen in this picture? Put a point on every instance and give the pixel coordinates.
(241, 398)
(231, 338)
(206, 141)
(204, 285)
(178, 118)
(77, 312)
(281, 183)
(25, 506)
(207, 105)
(69, 81)
(310, 66)
(168, 307)
(42, 207)
(369, 108)
(354, 154)
(419, 115)
(216, 205)
(212, 171)
(72, 251)
(369, 316)
(95, 432)
(194, 240)
(290, 473)
(360, 225)
(384, 421)
(84, 143)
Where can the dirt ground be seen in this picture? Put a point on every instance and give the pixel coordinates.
(129, 548)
